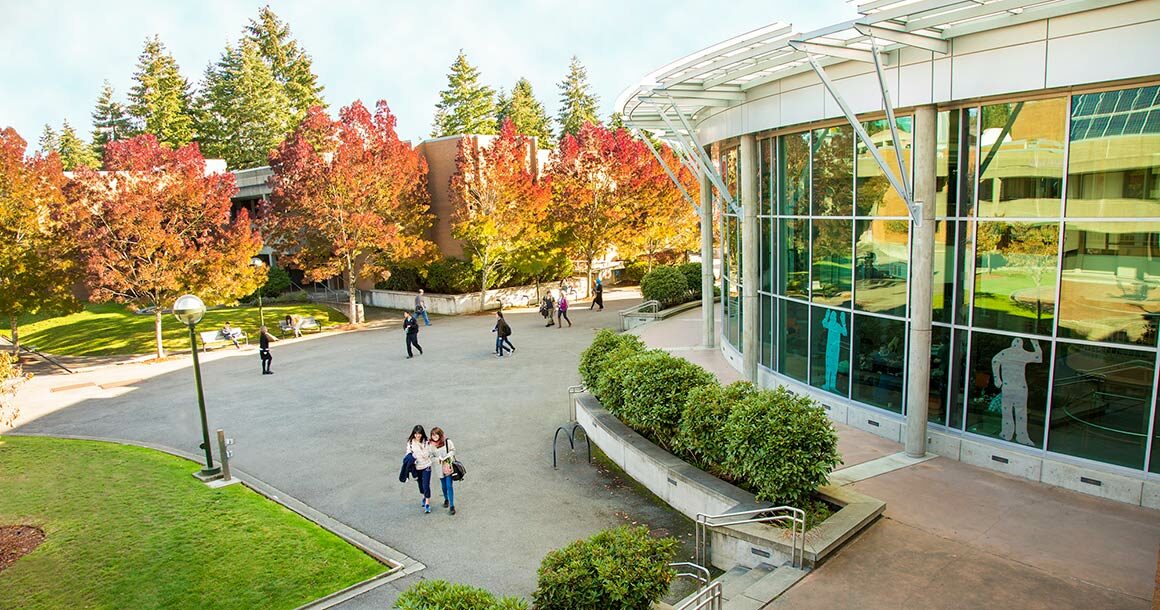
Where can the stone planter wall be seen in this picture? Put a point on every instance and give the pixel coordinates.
(459, 304)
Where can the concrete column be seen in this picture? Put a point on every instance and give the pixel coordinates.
(708, 332)
(749, 249)
(921, 269)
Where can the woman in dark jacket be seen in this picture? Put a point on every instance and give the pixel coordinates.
(502, 332)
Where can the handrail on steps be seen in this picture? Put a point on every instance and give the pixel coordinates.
(647, 309)
(573, 392)
(45, 357)
(777, 514)
(708, 595)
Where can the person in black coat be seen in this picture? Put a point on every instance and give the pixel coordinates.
(264, 339)
(411, 325)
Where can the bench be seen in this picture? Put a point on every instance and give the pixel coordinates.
(215, 336)
(304, 323)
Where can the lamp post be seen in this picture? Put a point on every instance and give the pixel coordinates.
(259, 263)
(189, 310)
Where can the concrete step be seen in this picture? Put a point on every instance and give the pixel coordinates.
(738, 579)
(770, 586)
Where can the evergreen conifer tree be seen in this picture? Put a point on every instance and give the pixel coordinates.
(110, 121)
(525, 112)
(291, 66)
(49, 140)
(577, 102)
(160, 99)
(74, 152)
(465, 106)
(242, 110)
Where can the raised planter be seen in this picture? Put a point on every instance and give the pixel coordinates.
(459, 304)
(691, 490)
(630, 319)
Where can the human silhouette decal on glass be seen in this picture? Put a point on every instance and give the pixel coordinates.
(1010, 369)
(835, 325)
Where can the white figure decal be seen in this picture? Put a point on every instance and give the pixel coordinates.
(1010, 369)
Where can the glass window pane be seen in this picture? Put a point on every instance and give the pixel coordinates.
(793, 270)
(1110, 286)
(793, 339)
(879, 361)
(833, 171)
(793, 154)
(1021, 151)
(733, 314)
(830, 350)
(768, 325)
(875, 195)
(947, 163)
(765, 252)
(964, 271)
(881, 270)
(943, 279)
(831, 270)
(1114, 172)
(767, 177)
(1008, 388)
(940, 359)
(729, 170)
(969, 163)
(1015, 274)
(1102, 403)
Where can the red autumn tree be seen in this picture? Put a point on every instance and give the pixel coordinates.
(670, 223)
(155, 225)
(38, 266)
(501, 206)
(602, 182)
(349, 197)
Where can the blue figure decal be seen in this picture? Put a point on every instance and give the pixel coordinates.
(835, 325)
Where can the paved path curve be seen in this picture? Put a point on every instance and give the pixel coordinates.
(329, 427)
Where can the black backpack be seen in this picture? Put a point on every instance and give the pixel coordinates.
(504, 329)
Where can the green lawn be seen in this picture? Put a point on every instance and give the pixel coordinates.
(128, 527)
(108, 329)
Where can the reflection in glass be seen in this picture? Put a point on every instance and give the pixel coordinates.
(766, 177)
(793, 339)
(830, 280)
(958, 381)
(1113, 168)
(730, 170)
(1015, 274)
(793, 270)
(765, 254)
(793, 155)
(1008, 392)
(1110, 287)
(879, 360)
(768, 327)
(1101, 403)
(964, 271)
(880, 269)
(833, 171)
(1021, 152)
(875, 195)
(940, 359)
(947, 163)
(943, 278)
(969, 162)
(830, 353)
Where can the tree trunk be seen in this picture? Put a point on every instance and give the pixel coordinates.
(350, 300)
(483, 288)
(157, 333)
(15, 335)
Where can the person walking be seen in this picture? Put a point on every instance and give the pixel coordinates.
(548, 309)
(420, 451)
(442, 453)
(562, 308)
(264, 339)
(502, 331)
(599, 298)
(411, 326)
(421, 308)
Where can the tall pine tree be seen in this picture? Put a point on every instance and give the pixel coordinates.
(242, 110)
(49, 140)
(290, 65)
(577, 102)
(526, 113)
(465, 106)
(74, 152)
(160, 99)
(110, 121)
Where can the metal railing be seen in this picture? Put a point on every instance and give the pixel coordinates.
(573, 392)
(31, 349)
(647, 309)
(708, 595)
(571, 436)
(777, 514)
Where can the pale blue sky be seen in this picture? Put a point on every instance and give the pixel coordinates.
(55, 54)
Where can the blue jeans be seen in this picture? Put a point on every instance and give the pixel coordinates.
(423, 312)
(499, 347)
(424, 481)
(448, 490)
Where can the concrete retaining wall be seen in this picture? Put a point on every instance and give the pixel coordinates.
(459, 304)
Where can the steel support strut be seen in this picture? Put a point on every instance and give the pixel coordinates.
(672, 176)
(694, 149)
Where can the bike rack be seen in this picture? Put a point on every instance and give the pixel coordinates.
(571, 441)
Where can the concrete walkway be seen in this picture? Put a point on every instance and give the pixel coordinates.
(957, 536)
(329, 427)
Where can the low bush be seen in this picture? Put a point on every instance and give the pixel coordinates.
(612, 375)
(665, 284)
(656, 387)
(404, 279)
(633, 272)
(294, 296)
(701, 434)
(692, 273)
(443, 595)
(617, 569)
(781, 444)
(605, 341)
(451, 276)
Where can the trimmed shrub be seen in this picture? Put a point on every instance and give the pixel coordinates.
(277, 282)
(403, 279)
(605, 341)
(451, 276)
(665, 284)
(656, 387)
(612, 375)
(782, 444)
(701, 434)
(443, 595)
(633, 272)
(692, 273)
(617, 569)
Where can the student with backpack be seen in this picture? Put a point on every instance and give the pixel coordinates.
(562, 308)
(502, 331)
(419, 449)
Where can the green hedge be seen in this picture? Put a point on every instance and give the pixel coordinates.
(618, 569)
(665, 284)
(442, 595)
(459, 276)
(593, 358)
(633, 272)
(701, 433)
(656, 387)
(612, 375)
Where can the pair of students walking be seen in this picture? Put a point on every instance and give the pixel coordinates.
(423, 454)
